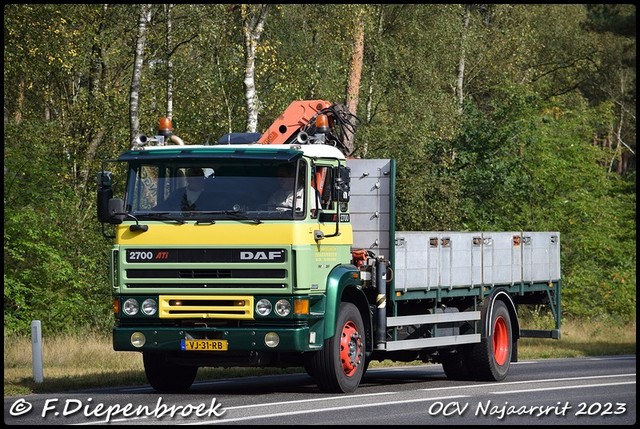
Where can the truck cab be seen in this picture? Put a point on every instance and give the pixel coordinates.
(221, 274)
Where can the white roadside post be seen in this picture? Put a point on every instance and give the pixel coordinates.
(36, 349)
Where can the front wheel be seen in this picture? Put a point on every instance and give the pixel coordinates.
(339, 366)
(456, 365)
(165, 376)
(491, 357)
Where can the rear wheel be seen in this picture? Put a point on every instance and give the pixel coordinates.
(165, 376)
(367, 361)
(491, 357)
(339, 366)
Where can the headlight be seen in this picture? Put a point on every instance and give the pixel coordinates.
(138, 339)
(283, 307)
(263, 307)
(130, 307)
(271, 339)
(149, 307)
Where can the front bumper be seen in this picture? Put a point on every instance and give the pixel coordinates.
(244, 339)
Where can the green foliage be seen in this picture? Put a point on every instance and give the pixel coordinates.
(545, 141)
(54, 264)
(533, 168)
(594, 210)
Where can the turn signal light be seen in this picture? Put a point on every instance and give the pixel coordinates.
(301, 306)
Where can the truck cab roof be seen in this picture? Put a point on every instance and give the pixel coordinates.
(280, 151)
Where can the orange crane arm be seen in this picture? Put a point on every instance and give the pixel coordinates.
(296, 116)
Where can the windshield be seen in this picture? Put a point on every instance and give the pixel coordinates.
(217, 189)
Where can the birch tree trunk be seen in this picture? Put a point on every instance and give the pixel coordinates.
(353, 84)
(168, 9)
(252, 26)
(461, 63)
(134, 92)
(171, 48)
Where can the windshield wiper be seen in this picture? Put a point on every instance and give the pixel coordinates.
(235, 214)
(196, 215)
(160, 216)
(241, 214)
(202, 222)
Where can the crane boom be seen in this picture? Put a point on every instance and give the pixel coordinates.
(312, 121)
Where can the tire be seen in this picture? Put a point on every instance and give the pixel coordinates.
(307, 363)
(456, 365)
(490, 359)
(165, 376)
(367, 361)
(339, 366)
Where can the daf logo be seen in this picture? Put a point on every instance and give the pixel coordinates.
(271, 255)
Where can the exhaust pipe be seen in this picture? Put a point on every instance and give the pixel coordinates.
(141, 140)
(381, 305)
(302, 137)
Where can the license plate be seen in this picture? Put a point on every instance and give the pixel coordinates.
(204, 345)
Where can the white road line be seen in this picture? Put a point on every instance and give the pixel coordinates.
(302, 401)
(507, 383)
(322, 410)
(577, 386)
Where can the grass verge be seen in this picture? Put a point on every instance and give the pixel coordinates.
(74, 362)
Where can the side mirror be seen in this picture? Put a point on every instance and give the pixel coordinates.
(116, 211)
(342, 187)
(105, 193)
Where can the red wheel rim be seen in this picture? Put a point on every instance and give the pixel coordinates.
(500, 341)
(350, 348)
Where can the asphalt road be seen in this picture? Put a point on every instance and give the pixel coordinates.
(582, 391)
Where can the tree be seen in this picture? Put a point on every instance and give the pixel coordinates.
(546, 138)
(168, 9)
(98, 75)
(463, 38)
(253, 20)
(353, 83)
(134, 92)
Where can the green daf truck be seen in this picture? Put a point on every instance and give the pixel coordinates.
(207, 271)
